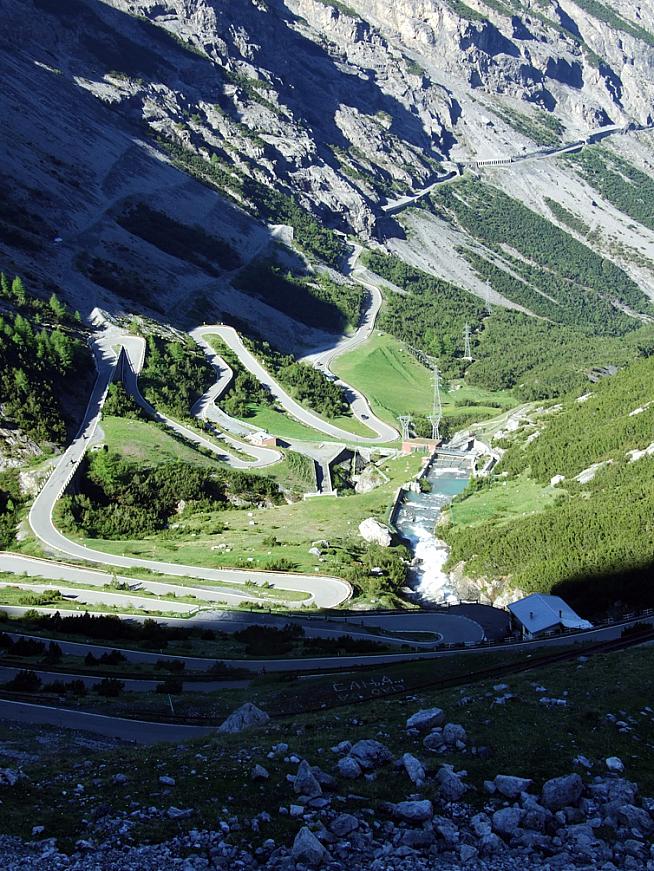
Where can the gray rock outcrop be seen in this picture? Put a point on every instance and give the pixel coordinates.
(305, 782)
(413, 811)
(348, 768)
(373, 531)
(507, 820)
(248, 716)
(511, 787)
(414, 768)
(426, 720)
(370, 754)
(450, 785)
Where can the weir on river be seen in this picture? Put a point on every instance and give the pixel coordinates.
(416, 519)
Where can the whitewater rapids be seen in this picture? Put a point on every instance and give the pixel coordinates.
(416, 521)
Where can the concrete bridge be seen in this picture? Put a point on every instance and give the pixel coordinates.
(495, 161)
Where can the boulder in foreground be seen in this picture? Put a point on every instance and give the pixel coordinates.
(308, 849)
(246, 717)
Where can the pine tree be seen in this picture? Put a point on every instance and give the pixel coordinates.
(57, 308)
(21, 381)
(63, 348)
(18, 290)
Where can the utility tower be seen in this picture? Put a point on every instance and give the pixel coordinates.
(467, 354)
(436, 408)
(487, 300)
(405, 424)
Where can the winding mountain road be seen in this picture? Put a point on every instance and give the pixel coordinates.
(152, 732)
(326, 592)
(372, 304)
(38, 568)
(382, 431)
(139, 731)
(134, 348)
(439, 628)
(206, 409)
(392, 207)
(113, 346)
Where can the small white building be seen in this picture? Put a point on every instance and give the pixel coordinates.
(262, 439)
(540, 614)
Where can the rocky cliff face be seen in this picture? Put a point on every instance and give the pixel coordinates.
(555, 55)
(339, 106)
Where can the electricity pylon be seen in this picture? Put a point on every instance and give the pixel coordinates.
(467, 353)
(405, 423)
(436, 407)
(487, 300)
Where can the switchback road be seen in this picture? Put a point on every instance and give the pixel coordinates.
(382, 431)
(326, 592)
(601, 640)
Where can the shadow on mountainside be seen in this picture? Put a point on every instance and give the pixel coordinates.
(77, 160)
(100, 38)
(595, 596)
(71, 165)
(315, 86)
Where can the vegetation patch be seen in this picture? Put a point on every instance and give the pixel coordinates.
(175, 375)
(542, 128)
(262, 536)
(125, 283)
(342, 7)
(267, 203)
(308, 385)
(432, 316)
(391, 378)
(11, 500)
(149, 443)
(499, 501)
(37, 363)
(537, 359)
(549, 271)
(609, 16)
(396, 383)
(594, 539)
(574, 222)
(625, 186)
(299, 472)
(121, 499)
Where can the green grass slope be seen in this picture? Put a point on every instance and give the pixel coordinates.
(594, 531)
(396, 383)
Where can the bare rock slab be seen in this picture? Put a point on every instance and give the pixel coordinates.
(248, 716)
